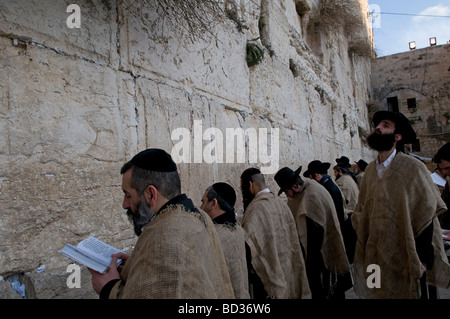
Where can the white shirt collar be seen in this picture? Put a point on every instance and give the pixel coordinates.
(388, 160)
(381, 167)
(266, 190)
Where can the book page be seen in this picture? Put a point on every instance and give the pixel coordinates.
(74, 254)
(437, 179)
(98, 250)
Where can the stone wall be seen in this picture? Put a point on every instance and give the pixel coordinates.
(75, 104)
(423, 77)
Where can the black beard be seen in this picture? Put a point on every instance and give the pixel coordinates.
(247, 197)
(381, 142)
(143, 216)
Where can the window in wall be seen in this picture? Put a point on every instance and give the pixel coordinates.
(416, 145)
(392, 103)
(411, 103)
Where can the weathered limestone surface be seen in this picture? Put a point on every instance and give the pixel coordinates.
(75, 104)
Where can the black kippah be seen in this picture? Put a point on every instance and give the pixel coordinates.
(226, 192)
(154, 159)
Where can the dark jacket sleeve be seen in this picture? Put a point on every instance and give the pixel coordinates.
(424, 247)
(106, 290)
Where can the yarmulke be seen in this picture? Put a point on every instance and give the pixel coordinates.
(154, 159)
(226, 192)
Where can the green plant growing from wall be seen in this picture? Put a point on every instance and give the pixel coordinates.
(254, 54)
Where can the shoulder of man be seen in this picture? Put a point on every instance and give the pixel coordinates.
(407, 162)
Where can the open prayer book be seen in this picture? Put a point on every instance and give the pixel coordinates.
(92, 253)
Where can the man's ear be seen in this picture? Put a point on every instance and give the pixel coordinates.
(251, 187)
(398, 137)
(151, 195)
(214, 203)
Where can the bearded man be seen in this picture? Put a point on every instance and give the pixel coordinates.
(395, 219)
(442, 159)
(178, 253)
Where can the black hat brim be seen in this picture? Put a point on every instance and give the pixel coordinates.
(322, 167)
(296, 172)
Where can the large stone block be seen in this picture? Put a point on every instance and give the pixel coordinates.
(45, 23)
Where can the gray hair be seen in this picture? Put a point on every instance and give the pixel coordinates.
(167, 183)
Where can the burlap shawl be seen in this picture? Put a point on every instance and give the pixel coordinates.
(316, 203)
(390, 213)
(359, 178)
(178, 255)
(232, 239)
(275, 247)
(350, 190)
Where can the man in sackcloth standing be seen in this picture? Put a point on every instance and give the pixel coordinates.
(319, 232)
(318, 171)
(276, 254)
(178, 253)
(348, 186)
(442, 159)
(396, 219)
(218, 202)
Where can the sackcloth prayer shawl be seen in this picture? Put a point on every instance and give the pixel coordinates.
(275, 247)
(232, 238)
(316, 203)
(391, 212)
(177, 256)
(350, 190)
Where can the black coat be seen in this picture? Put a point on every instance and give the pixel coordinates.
(348, 233)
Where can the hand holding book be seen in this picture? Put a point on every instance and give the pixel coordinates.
(99, 280)
(92, 253)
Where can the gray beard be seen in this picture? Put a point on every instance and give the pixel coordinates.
(142, 217)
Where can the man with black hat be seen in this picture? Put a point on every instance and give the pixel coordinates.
(358, 171)
(319, 232)
(318, 171)
(442, 159)
(343, 161)
(396, 219)
(218, 202)
(270, 231)
(178, 253)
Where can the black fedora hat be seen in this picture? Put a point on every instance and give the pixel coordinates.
(362, 164)
(442, 154)
(286, 177)
(316, 166)
(343, 161)
(402, 124)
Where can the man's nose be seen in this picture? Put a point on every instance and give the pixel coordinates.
(125, 203)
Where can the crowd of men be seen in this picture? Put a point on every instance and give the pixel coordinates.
(316, 244)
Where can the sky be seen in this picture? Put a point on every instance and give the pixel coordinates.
(392, 32)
